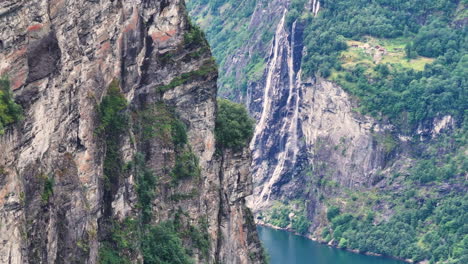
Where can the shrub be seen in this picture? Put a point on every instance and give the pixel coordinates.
(194, 36)
(48, 189)
(234, 127)
(162, 244)
(110, 110)
(184, 78)
(301, 224)
(186, 166)
(146, 185)
(160, 121)
(200, 237)
(332, 212)
(121, 242)
(113, 123)
(10, 112)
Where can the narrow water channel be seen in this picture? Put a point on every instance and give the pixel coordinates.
(286, 248)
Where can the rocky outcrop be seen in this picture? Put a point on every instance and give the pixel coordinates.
(60, 57)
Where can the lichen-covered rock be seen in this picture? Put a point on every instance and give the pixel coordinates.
(61, 56)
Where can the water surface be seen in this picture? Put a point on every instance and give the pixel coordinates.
(287, 248)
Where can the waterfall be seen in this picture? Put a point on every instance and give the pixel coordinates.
(315, 7)
(289, 124)
(269, 80)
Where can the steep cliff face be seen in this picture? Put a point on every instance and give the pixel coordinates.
(303, 123)
(300, 122)
(71, 170)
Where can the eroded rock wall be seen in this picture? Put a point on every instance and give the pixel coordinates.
(60, 56)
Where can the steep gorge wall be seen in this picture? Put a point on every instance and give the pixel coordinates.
(306, 125)
(302, 125)
(60, 57)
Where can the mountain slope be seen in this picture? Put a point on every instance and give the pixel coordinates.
(360, 109)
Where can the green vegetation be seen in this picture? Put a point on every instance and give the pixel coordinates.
(423, 227)
(405, 92)
(162, 244)
(198, 235)
(121, 244)
(158, 243)
(279, 215)
(160, 121)
(194, 36)
(421, 215)
(234, 126)
(406, 63)
(227, 26)
(146, 186)
(184, 78)
(186, 166)
(10, 112)
(300, 224)
(113, 124)
(48, 189)
(255, 68)
(444, 159)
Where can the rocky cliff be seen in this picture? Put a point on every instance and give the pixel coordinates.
(119, 108)
(300, 122)
(306, 125)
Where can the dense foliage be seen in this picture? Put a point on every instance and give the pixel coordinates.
(113, 124)
(146, 186)
(121, 242)
(420, 215)
(425, 224)
(10, 112)
(422, 228)
(186, 166)
(234, 126)
(291, 215)
(405, 96)
(162, 245)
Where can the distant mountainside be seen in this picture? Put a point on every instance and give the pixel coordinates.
(361, 105)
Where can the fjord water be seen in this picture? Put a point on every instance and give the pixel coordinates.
(286, 248)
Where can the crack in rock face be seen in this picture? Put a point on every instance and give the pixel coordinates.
(43, 57)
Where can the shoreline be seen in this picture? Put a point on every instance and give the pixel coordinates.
(329, 244)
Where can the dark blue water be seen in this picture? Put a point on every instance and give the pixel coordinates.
(286, 248)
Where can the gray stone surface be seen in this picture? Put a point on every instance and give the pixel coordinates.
(60, 56)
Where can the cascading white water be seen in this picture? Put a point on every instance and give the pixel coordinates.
(315, 7)
(269, 80)
(290, 122)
